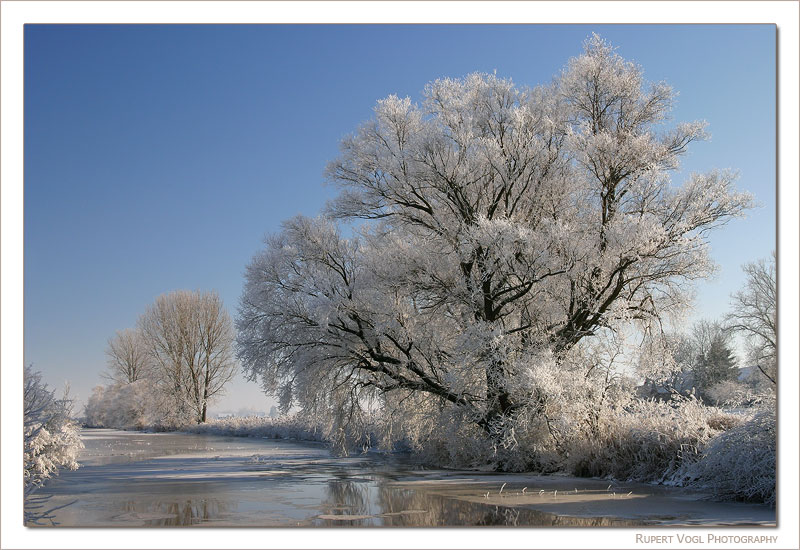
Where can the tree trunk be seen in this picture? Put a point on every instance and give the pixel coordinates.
(498, 400)
(206, 382)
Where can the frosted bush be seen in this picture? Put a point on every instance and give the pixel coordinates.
(286, 427)
(647, 440)
(50, 442)
(731, 393)
(130, 406)
(739, 464)
(585, 419)
(449, 440)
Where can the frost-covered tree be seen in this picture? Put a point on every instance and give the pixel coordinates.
(504, 226)
(755, 315)
(128, 359)
(50, 442)
(716, 365)
(189, 337)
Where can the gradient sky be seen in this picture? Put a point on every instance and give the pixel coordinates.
(157, 157)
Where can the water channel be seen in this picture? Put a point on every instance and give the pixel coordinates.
(131, 479)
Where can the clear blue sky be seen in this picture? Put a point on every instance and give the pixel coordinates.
(157, 157)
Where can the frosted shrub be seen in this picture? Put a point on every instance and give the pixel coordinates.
(457, 446)
(50, 442)
(285, 427)
(528, 444)
(647, 440)
(739, 464)
(730, 393)
(130, 406)
(596, 426)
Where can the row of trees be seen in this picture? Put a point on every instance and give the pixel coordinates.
(170, 367)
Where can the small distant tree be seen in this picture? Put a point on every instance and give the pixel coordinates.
(128, 360)
(716, 365)
(702, 336)
(755, 316)
(189, 337)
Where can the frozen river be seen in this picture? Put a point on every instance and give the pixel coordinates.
(140, 479)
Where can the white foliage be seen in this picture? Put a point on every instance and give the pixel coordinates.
(136, 406)
(509, 227)
(739, 464)
(286, 427)
(647, 440)
(50, 442)
(732, 393)
(666, 362)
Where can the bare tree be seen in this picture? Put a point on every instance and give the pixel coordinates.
(755, 315)
(703, 335)
(189, 337)
(164, 325)
(128, 360)
(216, 366)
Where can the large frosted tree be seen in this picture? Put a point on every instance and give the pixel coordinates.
(503, 226)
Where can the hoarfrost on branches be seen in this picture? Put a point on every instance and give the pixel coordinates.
(135, 405)
(50, 442)
(739, 464)
(505, 227)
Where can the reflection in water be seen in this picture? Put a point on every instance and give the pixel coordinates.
(345, 497)
(189, 512)
(381, 503)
